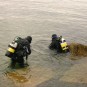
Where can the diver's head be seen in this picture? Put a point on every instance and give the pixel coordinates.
(29, 38)
(54, 36)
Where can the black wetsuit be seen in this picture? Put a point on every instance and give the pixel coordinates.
(55, 44)
(23, 49)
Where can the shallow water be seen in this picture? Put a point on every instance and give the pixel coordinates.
(41, 19)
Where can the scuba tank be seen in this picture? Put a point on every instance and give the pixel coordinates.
(64, 44)
(12, 47)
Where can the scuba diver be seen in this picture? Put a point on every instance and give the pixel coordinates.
(18, 50)
(59, 44)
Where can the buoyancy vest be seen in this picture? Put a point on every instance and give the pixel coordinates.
(22, 48)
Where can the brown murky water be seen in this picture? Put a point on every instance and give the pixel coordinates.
(40, 19)
(16, 76)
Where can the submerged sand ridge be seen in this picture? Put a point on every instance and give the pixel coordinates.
(77, 49)
(16, 76)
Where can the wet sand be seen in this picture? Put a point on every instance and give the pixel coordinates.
(41, 19)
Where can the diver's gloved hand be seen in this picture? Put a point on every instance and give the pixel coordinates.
(26, 64)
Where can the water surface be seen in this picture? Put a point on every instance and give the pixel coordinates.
(41, 19)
